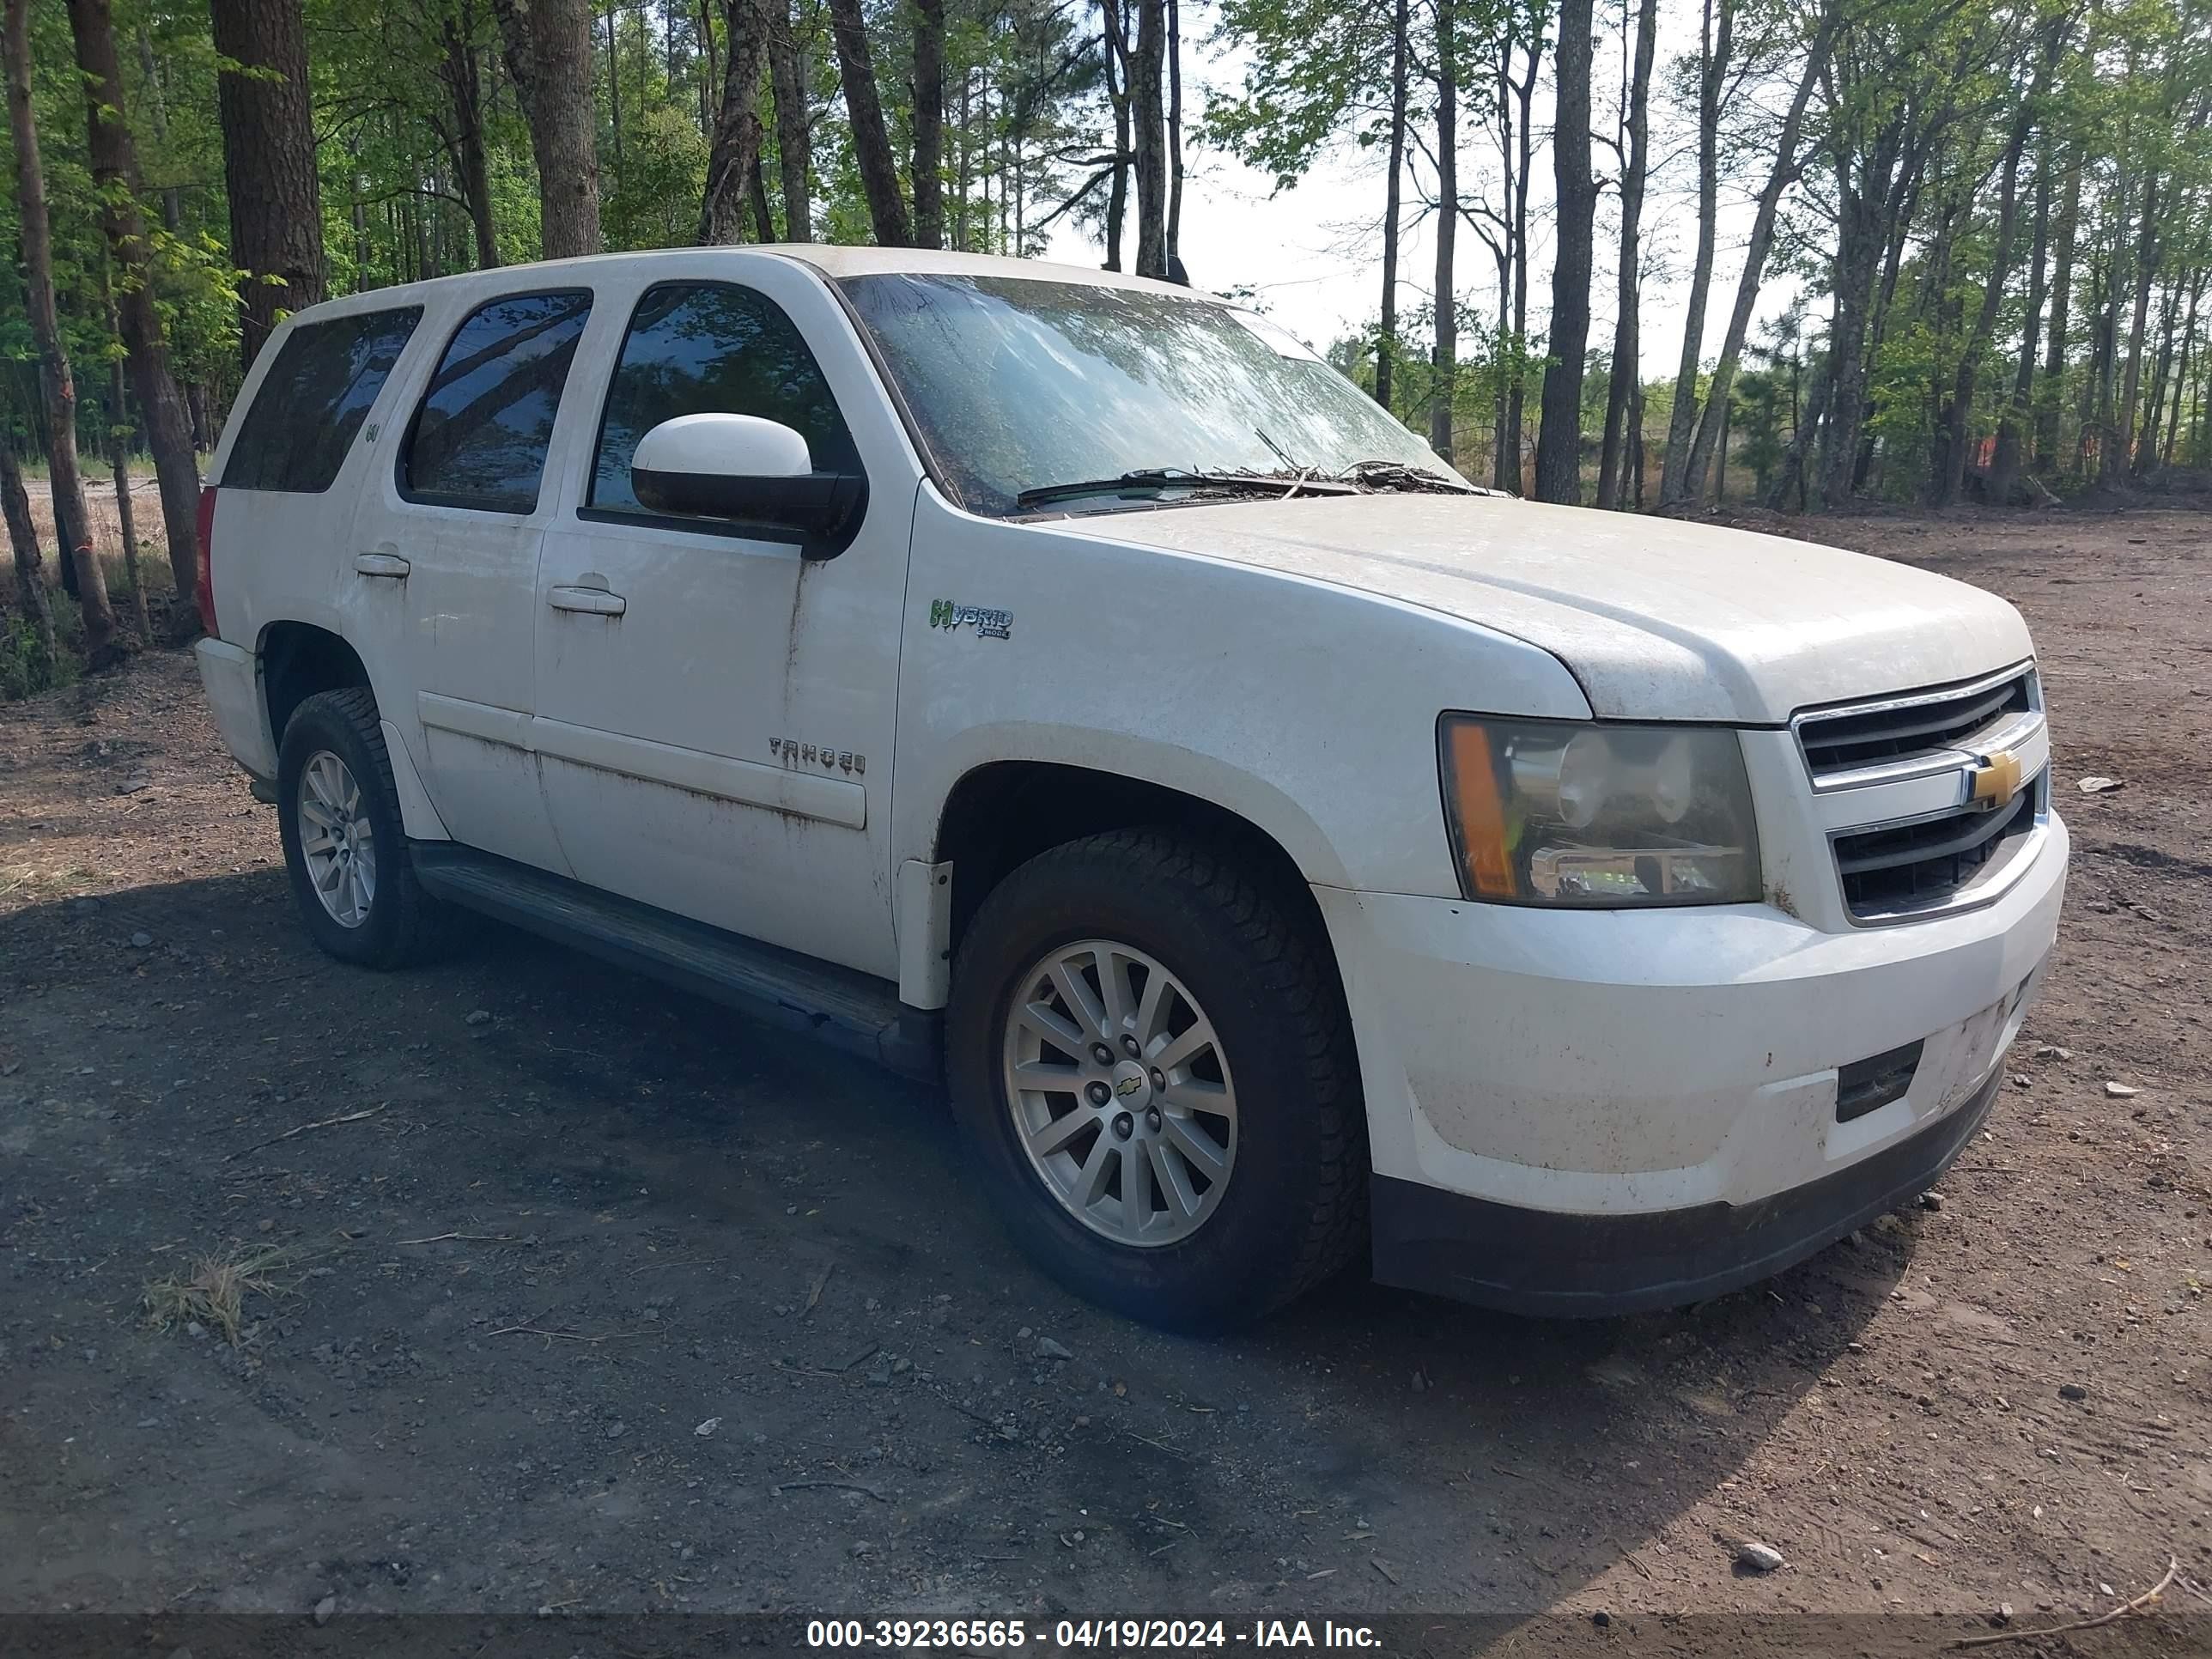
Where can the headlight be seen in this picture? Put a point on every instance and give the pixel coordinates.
(1560, 813)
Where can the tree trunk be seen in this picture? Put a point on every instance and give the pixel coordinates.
(23, 540)
(115, 172)
(734, 157)
(929, 123)
(1386, 340)
(1711, 441)
(2004, 465)
(548, 58)
(2062, 298)
(2119, 451)
(2169, 313)
(465, 93)
(1147, 61)
(1516, 390)
(794, 138)
(1560, 436)
(2181, 372)
(1446, 355)
(150, 72)
(614, 95)
(73, 528)
(118, 465)
(872, 145)
(268, 162)
(1951, 479)
(1115, 42)
(1715, 47)
(1174, 136)
(1627, 344)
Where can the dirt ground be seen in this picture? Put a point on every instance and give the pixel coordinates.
(580, 1295)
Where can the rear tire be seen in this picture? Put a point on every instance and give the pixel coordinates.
(1217, 1073)
(345, 850)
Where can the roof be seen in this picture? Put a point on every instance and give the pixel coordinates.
(834, 262)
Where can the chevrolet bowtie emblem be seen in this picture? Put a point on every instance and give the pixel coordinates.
(1994, 780)
(1129, 1085)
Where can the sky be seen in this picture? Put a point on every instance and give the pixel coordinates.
(1311, 255)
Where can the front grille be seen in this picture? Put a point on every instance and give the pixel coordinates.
(1902, 868)
(1905, 729)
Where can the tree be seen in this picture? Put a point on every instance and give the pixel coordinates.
(115, 177)
(928, 123)
(872, 145)
(733, 162)
(1716, 44)
(119, 468)
(1445, 357)
(270, 178)
(1559, 439)
(549, 50)
(1626, 377)
(1148, 60)
(1711, 442)
(55, 383)
(794, 132)
(23, 542)
(1386, 339)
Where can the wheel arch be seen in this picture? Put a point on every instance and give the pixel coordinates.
(1001, 813)
(298, 659)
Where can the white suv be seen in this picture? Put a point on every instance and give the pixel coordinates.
(1069, 685)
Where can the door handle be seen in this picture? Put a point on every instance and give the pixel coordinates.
(381, 563)
(589, 601)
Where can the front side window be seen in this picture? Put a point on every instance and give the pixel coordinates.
(296, 434)
(1024, 385)
(712, 349)
(480, 437)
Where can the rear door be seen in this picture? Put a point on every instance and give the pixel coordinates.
(444, 561)
(715, 714)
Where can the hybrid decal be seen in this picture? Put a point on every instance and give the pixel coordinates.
(990, 624)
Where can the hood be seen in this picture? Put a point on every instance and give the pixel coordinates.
(1658, 618)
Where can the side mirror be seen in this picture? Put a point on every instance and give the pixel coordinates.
(756, 475)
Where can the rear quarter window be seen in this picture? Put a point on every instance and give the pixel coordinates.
(311, 403)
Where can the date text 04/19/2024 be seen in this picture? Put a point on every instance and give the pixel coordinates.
(1086, 1635)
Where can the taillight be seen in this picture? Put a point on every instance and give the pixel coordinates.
(203, 573)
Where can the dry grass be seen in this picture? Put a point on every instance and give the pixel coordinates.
(212, 1293)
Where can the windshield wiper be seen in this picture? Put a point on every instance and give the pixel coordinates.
(1280, 484)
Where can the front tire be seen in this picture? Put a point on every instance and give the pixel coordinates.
(345, 850)
(1150, 1062)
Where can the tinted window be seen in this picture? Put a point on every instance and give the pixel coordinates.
(709, 349)
(479, 439)
(296, 432)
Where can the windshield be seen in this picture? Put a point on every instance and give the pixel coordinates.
(1020, 384)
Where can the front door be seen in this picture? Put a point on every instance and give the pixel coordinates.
(714, 714)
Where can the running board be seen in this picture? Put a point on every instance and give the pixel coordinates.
(852, 1010)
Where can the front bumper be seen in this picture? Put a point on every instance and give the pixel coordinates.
(1540, 1261)
(1595, 1112)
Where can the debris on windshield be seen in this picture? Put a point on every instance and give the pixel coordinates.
(1403, 476)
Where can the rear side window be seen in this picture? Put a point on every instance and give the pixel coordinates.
(480, 436)
(710, 349)
(312, 400)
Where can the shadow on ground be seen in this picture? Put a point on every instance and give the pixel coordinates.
(593, 1297)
